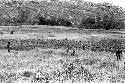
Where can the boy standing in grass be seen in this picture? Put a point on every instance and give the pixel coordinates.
(118, 54)
(8, 46)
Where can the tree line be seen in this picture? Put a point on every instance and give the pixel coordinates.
(83, 15)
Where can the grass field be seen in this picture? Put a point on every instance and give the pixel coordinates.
(39, 55)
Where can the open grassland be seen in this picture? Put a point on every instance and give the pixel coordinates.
(39, 55)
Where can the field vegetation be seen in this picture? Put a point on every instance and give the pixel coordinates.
(61, 42)
(46, 60)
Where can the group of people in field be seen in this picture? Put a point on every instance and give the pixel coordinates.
(118, 51)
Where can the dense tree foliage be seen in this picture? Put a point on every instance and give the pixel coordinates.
(104, 16)
(74, 13)
(54, 22)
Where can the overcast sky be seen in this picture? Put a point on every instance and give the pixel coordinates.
(120, 3)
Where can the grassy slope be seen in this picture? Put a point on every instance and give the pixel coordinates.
(50, 62)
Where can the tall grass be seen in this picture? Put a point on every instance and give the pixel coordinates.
(93, 44)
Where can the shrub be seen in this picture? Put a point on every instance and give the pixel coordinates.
(27, 74)
(54, 22)
(63, 22)
(42, 21)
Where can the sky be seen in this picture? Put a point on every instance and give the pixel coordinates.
(120, 3)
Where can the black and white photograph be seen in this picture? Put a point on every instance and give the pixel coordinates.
(62, 41)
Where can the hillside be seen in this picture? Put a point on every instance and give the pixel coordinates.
(17, 12)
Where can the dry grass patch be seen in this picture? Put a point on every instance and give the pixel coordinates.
(48, 65)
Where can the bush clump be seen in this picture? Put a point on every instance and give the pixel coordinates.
(54, 22)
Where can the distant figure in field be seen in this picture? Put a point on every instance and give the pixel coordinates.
(83, 47)
(1, 32)
(8, 46)
(68, 48)
(11, 32)
(73, 53)
(118, 54)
